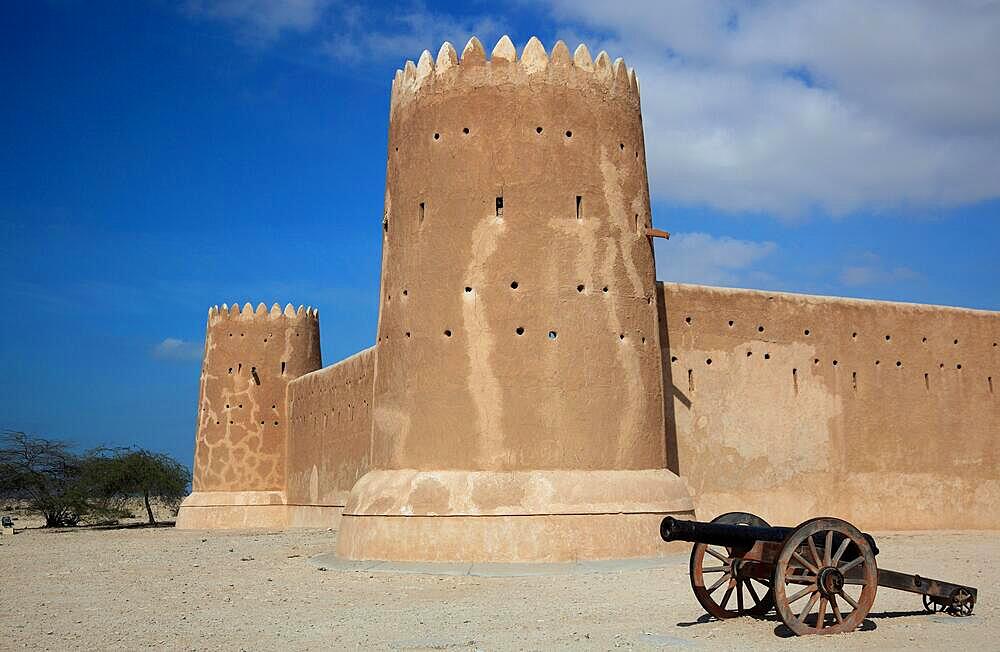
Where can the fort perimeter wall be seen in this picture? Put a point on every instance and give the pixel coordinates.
(329, 447)
(792, 406)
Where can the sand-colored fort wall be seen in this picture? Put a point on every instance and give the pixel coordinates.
(792, 406)
(330, 438)
(240, 445)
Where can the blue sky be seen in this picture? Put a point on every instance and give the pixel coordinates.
(159, 157)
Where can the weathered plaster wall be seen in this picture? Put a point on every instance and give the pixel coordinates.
(793, 406)
(330, 436)
(517, 327)
(250, 357)
(518, 387)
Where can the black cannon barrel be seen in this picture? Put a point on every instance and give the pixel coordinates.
(719, 534)
(734, 536)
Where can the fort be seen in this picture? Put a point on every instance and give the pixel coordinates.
(534, 394)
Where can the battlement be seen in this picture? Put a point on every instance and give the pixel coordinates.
(249, 312)
(430, 75)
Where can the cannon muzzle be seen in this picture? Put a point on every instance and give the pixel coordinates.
(719, 534)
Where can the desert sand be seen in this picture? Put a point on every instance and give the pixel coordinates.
(160, 587)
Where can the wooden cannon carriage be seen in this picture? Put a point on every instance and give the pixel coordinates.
(821, 576)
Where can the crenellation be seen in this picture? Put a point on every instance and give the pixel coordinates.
(504, 67)
(425, 67)
(248, 312)
(560, 57)
(503, 51)
(534, 59)
(447, 58)
(473, 54)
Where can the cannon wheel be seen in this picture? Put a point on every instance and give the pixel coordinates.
(962, 603)
(723, 571)
(840, 587)
(933, 605)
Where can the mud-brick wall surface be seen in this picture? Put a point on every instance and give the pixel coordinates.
(517, 327)
(250, 357)
(793, 406)
(330, 431)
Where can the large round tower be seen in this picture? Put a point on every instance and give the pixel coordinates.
(518, 388)
(240, 445)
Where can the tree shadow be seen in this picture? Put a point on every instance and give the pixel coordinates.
(106, 526)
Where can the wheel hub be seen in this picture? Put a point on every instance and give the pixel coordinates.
(830, 581)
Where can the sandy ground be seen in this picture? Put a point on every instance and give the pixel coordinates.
(161, 587)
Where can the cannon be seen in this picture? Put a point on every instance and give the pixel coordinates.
(820, 577)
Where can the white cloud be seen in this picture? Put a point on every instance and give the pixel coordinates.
(172, 348)
(871, 271)
(702, 258)
(829, 105)
(371, 36)
(787, 108)
(261, 21)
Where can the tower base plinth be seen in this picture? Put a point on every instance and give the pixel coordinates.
(520, 516)
(233, 510)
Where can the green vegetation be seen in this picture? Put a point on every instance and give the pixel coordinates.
(67, 487)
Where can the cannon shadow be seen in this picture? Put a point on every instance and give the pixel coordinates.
(782, 631)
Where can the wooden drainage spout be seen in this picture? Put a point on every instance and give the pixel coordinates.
(657, 233)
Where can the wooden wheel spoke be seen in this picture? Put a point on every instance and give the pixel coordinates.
(753, 594)
(724, 560)
(856, 580)
(849, 566)
(800, 579)
(809, 606)
(827, 547)
(821, 614)
(801, 594)
(739, 595)
(722, 580)
(840, 551)
(814, 553)
(848, 598)
(836, 609)
(802, 560)
(714, 569)
(725, 598)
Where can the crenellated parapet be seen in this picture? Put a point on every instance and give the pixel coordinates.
(576, 71)
(249, 312)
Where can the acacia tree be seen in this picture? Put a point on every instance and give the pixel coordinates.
(66, 487)
(142, 473)
(46, 474)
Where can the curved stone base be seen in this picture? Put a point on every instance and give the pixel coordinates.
(231, 510)
(314, 516)
(224, 510)
(522, 516)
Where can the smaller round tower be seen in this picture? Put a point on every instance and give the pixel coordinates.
(239, 466)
